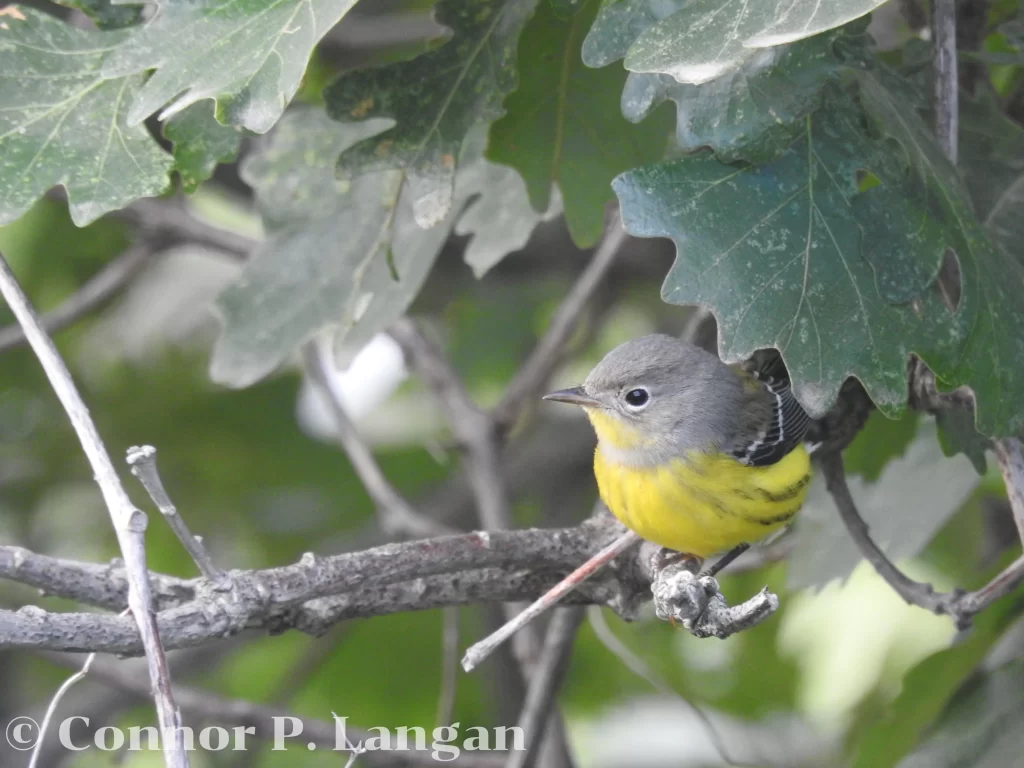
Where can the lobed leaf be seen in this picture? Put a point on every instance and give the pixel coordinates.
(345, 255)
(795, 255)
(200, 143)
(436, 98)
(248, 55)
(63, 121)
(708, 38)
(562, 125)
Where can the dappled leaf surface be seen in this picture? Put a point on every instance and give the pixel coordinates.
(435, 99)
(105, 14)
(562, 124)
(346, 255)
(247, 54)
(500, 219)
(200, 143)
(63, 122)
(325, 238)
(750, 112)
(708, 38)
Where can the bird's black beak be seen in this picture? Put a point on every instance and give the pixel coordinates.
(576, 396)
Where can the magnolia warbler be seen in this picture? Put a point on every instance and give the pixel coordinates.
(693, 454)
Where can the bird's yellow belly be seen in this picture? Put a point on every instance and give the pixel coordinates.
(705, 504)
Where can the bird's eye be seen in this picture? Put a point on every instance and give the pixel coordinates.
(637, 397)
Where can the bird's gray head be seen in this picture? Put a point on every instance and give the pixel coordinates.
(656, 397)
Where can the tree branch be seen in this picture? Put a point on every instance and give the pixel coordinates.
(316, 593)
(960, 605)
(947, 108)
(129, 522)
(551, 349)
(96, 291)
(544, 683)
(142, 460)
(396, 515)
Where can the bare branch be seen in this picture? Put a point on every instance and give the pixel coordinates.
(142, 460)
(639, 667)
(396, 515)
(129, 522)
(316, 593)
(544, 683)
(96, 291)
(960, 605)
(449, 666)
(482, 649)
(1011, 464)
(947, 108)
(167, 223)
(52, 707)
(103, 586)
(472, 427)
(551, 349)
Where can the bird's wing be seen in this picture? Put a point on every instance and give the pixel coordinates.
(785, 429)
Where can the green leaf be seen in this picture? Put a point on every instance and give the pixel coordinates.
(200, 143)
(752, 112)
(708, 38)
(249, 55)
(563, 125)
(435, 99)
(619, 24)
(500, 219)
(106, 14)
(979, 729)
(904, 504)
(333, 247)
(63, 122)
(990, 314)
(780, 253)
(928, 688)
(957, 434)
(880, 441)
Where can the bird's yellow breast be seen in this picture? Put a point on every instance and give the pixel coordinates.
(701, 503)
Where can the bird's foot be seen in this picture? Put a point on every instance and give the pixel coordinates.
(665, 557)
(695, 601)
(724, 560)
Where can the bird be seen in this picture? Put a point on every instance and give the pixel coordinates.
(696, 456)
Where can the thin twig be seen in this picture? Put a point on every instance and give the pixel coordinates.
(206, 706)
(482, 649)
(472, 427)
(636, 665)
(449, 666)
(913, 592)
(142, 460)
(96, 291)
(551, 349)
(51, 709)
(947, 108)
(540, 696)
(960, 605)
(1011, 465)
(169, 222)
(396, 515)
(129, 522)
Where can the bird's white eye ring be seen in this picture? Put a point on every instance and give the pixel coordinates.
(636, 398)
